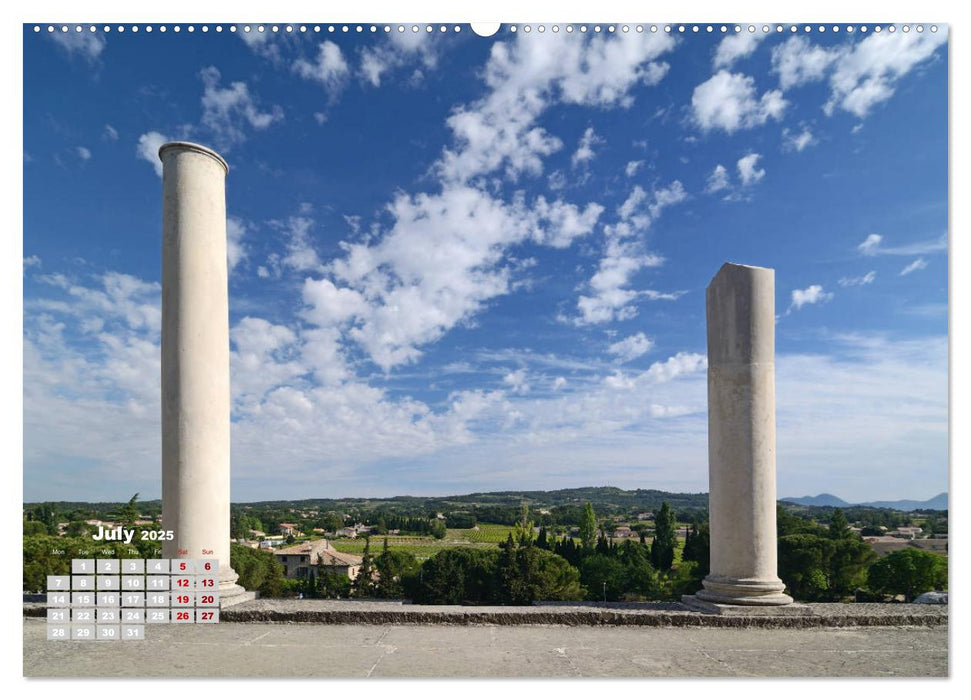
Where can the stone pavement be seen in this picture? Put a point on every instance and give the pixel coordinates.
(267, 650)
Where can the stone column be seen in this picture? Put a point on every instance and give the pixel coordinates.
(741, 438)
(195, 358)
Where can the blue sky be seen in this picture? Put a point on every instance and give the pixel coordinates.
(461, 263)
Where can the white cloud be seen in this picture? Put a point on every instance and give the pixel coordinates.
(868, 278)
(83, 153)
(799, 61)
(736, 46)
(718, 180)
(525, 76)
(813, 294)
(300, 253)
(631, 347)
(236, 250)
(87, 45)
(330, 69)
(516, 380)
(918, 264)
(870, 245)
(792, 141)
(228, 112)
(728, 101)
(31, 261)
(398, 50)
(748, 170)
(585, 153)
(147, 149)
(111, 133)
(630, 170)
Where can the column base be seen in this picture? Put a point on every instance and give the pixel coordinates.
(230, 592)
(727, 590)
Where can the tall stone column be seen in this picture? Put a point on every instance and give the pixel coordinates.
(195, 358)
(741, 438)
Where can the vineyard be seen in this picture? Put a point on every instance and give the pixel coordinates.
(486, 535)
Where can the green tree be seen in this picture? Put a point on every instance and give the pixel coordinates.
(838, 526)
(527, 573)
(394, 568)
(588, 528)
(665, 538)
(909, 572)
(128, 513)
(697, 548)
(258, 570)
(601, 574)
(456, 576)
(523, 529)
(364, 586)
(438, 529)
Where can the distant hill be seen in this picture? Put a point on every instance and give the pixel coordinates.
(939, 502)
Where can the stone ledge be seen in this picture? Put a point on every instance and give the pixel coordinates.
(327, 612)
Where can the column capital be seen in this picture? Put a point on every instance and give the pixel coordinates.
(195, 147)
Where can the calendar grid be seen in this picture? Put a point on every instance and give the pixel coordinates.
(116, 599)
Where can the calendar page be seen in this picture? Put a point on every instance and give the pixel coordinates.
(520, 348)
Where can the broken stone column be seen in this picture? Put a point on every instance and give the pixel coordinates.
(195, 359)
(741, 438)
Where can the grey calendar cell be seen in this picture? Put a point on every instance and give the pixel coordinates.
(133, 600)
(157, 583)
(59, 633)
(106, 616)
(132, 633)
(205, 599)
(108, 583)
(183, 617)
(157, 566)
(82, 598)
(207, 617)
(183, 583)
(82, 566)
(157, 600)
(182, 566)
(110, 599)
(133, 583)
(132, 566)
(59, 615)
(59, 583)
(183, 599)
(157, 617)
(82, 632)
(209, 582)
(83, 615)
(205, 567)
(107, 566)
(132, 616)
(108, 633)
(82, 583)
(57, 599)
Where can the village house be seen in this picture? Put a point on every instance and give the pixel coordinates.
(622, 531)
(301, 559)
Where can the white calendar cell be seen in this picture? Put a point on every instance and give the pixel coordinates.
(109, 599)
(59, 583)
(156, 617)
(58, 615)
(59, 633)
(207, 617)
(132, 566)
(157, 600)
(207, 600)
(157, 583)
(131, 633)
(133, 583)
(107, 566)
(183, 566)
(82, 583)
(106, 616)
(55, 599)
(133, 600)
(82, 566)
(182, 599)
(108, 583)
(183, 583)
(157, 566)
(132, 616)
(109, 633)
(183, 617)
(82, 615)
(82, 632)
(82, 598)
